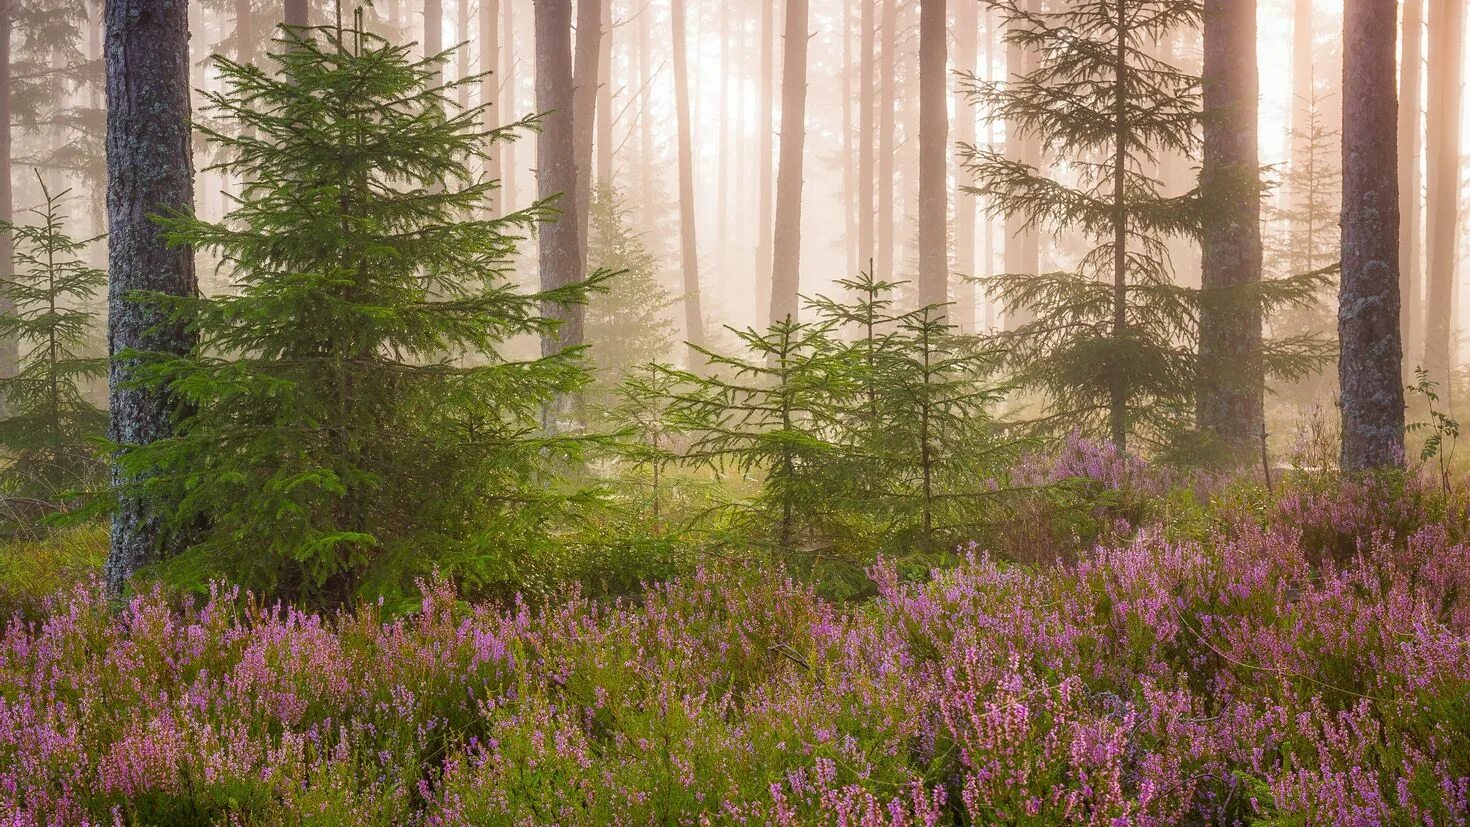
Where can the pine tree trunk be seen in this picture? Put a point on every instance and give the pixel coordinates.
(462, 55)
(1232, 382)
(727, 65)
(689, 242)
(434, 31)
(786, 268)
(244, 32)
(647, 187)
(866, 135)
(507, 103)
(1303, 78)
(1411, 111)
(967, 46)
(1022, 245)
(1118, 406)
(584, 116)
(605, 100)
(9, 347)
(490, 94)
(767, 128)
(887, 151)
(849, 159)
(1370, 367)
(1446, 71)
(150, 172)
(296, 13)
(933, 153)
(556, 167)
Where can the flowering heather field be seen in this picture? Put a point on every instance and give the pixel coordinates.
(1304, 661)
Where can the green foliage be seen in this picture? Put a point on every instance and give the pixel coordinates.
(629, 320)
(924, 451)
(349, 422)
(1113, 342)
(775, 411)
(51, 431)
(866, 428)
(1110, 341)
(34, 570)
(1442, 431)
(48, 66)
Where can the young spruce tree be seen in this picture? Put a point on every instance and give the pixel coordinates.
(350, 423)
(921, 446)
(51, 431)
(1109, 344)
(774, 413)
(630, 319)
(1113, 344)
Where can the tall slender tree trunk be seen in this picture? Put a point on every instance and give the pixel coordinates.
(1118, 409)
(1411, 112)
(296, 13)
(1446, 93)
(1370, 367)
(689, 242)
(1232, 380)
(507, 102)
(1022, 244)
(9, 347)
(647, 188)
(434, 31)
(933, 153)
(866, 135)
(462, 55)
(786, 270)
(967, 48)
(888, 151)
(556, 167)
(727, 68)
(244, 31)
(150, 171)
(584, 115)
(1303, 76)
(490, 93)
(605, 100)
(767, 128)
(849, 159)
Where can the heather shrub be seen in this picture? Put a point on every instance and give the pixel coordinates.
(1156, 680)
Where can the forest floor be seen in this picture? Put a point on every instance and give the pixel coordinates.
(1299, 656)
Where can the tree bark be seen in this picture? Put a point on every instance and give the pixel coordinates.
(1446, 75)
(1370, 366)
(933, 153)
(689, 242)
(490, 93)
(584, 115)
(647, 187)
(1411, 77)
(786, 267)
(605, 100)
(9, 347)
(462, 52)
(967, 48)
(887, 104)
(767, 128)
(866, 135)
(507, 103)
(1232, 381)
(1022, 244)
(150, 171)
(434, 32)
(296, 13)
(556, 168)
